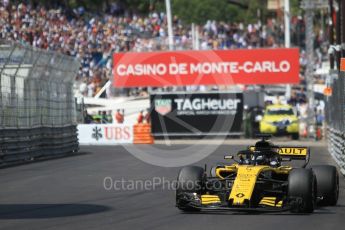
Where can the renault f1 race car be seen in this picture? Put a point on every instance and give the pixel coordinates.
(259, 180)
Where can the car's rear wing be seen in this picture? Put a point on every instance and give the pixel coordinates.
(289, 152)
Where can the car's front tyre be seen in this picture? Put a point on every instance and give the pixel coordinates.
(190, 180)
(327, 184)
(302, 188)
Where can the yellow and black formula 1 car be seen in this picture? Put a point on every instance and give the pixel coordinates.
(259, 180)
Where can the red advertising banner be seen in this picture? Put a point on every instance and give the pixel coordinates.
(219, 67)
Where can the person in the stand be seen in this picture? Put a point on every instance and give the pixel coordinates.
(319, 117)
(104, 117)
(246, 122)
(119, 117)
(147, 117)
(141, 117)
(97, 118)
(87, 117)
(109, 116)
(293, 99)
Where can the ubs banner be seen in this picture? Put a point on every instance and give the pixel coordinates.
(105, 134)
(196, 114)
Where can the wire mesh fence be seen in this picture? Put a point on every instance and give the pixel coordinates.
(36, 87)
(335, 112)
(335, 116)
(35, 94)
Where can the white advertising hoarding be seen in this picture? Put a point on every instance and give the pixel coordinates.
(105, 134)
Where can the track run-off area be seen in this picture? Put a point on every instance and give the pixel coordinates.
(105, 187)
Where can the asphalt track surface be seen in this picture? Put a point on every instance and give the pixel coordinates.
(69, 193)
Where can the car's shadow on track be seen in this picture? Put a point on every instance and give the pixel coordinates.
(43, 211)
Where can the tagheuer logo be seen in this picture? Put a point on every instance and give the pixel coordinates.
(163, 106)
(97, 133)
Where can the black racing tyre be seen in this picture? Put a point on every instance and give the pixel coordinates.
(302, 184)
(190, 179)
(295, 136)
(327, 184)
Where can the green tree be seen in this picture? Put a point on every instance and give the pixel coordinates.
(199, 11)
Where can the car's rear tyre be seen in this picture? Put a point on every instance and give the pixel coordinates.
(190, 180)
(327, 184)
(295, 136)
(302, 185)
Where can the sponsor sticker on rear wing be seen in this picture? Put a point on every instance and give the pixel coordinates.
(293, 153)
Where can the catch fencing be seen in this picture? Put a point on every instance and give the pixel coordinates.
(37, 116)
(335, 116)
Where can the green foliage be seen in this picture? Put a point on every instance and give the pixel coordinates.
(295, 7)
(199, 11)
(257, 10)
(141, 6)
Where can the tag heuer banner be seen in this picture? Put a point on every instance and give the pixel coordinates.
(196, 114)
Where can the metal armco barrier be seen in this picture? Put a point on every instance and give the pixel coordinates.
(37, 116)
(336, 146)
(28, 144)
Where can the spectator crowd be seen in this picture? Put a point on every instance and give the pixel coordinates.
(93, 39)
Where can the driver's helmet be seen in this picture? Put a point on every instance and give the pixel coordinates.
(262, 145)
(269, 153)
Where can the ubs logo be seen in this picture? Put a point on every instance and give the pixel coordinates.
(97, 133)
